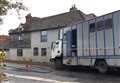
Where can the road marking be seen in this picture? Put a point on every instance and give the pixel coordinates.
(37, 78)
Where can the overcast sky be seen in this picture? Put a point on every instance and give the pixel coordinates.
(44, 8)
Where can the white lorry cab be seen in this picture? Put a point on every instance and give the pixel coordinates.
(94, 42)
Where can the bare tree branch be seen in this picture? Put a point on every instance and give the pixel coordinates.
(5, 5)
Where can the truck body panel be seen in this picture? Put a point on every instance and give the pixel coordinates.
(87, 42)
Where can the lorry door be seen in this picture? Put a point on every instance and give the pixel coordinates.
(74, 42)
(71, 37)
(69, 43)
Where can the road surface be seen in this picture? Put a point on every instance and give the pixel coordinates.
(46, 75)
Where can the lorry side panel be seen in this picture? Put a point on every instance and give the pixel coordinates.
(79, 40)
(85, 44)
(114, 60)
(109, 37)
(92, 38)
(116, 26)
(85, 35)
(100, 36)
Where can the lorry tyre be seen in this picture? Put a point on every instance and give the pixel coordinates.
(102, 66)
(58, 64)
(53, 65)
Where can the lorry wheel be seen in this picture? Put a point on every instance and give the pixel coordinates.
(102, 66)
(58, 64)
(53, 65)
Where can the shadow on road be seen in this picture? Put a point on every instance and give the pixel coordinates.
(90, 75)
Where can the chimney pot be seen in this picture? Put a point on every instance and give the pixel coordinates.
(28, 18)
(73, 8)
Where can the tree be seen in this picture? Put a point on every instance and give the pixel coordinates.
(5, 5)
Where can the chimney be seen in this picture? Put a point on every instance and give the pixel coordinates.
(28, 18)
(73, 8)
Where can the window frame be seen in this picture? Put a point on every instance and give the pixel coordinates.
(108, 23)
(92, 27)
(20, 52)
(35, 51)
(44, 36)
(43, 51)
(100, 25)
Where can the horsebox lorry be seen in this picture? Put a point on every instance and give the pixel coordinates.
(94, 43)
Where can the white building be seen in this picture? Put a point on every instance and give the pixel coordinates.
(35, 38)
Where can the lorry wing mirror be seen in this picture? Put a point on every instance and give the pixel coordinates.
(52, 45)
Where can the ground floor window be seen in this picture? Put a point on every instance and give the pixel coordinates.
(19, 52)
(35, 51)
(43, 51)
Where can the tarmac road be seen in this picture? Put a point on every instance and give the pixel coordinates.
(20, 75)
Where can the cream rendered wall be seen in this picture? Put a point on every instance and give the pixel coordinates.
(13, 54)
(27, 53)
(36, 42)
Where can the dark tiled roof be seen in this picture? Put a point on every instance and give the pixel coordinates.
(91, 16)
(56, 21)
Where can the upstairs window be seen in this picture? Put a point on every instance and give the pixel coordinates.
(44, 36)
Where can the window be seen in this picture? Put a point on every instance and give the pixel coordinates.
(35, 51)
(100, 25)
(20, 37)
(43, 51)
(59, 34)
(19, 52)
(92, 27)
(44, 36)
(108, 23)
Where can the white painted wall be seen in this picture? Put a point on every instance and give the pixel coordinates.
(36, 42)
(13, 54)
